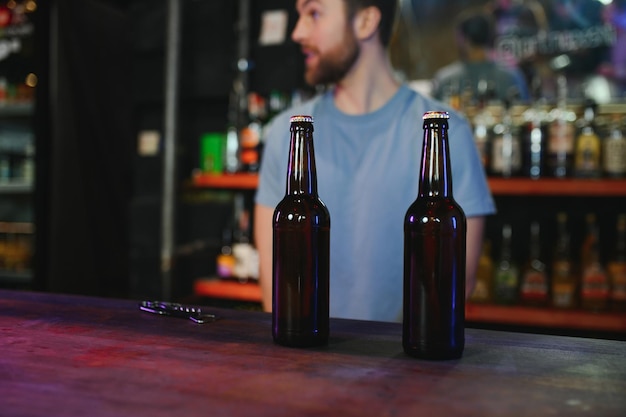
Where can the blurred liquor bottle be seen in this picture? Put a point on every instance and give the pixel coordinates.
(564, 280)
(614, 151)
(506, 273)
(534, 288)
(561, 134)
(588, 146)
(534, 138)
(594, 283)
(482, 124)
(483, 291)
(506, 149)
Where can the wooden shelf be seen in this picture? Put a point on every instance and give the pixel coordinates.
(558, 187)
(237, 181)
(499, 186)
(492, 314)
(478, 313)
(546, 318)
(229, 290)
(16, 187)
(25, 108)
(15, 277)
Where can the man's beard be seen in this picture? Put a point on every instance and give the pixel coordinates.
(336, 63)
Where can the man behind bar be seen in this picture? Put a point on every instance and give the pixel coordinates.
(368, 139)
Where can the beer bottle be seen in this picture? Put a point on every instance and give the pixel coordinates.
(534, 287)
(617, 267)
(594, 281)
(301, 253)
(434, 254)
(564, 281)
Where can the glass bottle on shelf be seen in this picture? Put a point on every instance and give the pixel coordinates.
(588, 146)
(250, 135)
(506, 273)
(301, 255)
(5, 169)
(433, 325)
(225, 262)
(564, 281)
(231, 153)
(246, 257)
(534, 139)
(483, 291)
(534, 288)
(616, 267)
(614, 152)
(506, 150)
(482, 123)
(594, 281)
(561, 134)
(5, 165)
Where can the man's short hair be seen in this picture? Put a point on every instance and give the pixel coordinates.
(387, 15)
(477, 28)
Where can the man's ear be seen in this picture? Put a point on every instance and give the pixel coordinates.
(366, 22)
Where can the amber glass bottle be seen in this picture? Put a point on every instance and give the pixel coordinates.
(483, 291)
(434, 255)
(301, 234)
(594, 281)
(534, 285)
(564, 280)
(561, 133)
(587, 162)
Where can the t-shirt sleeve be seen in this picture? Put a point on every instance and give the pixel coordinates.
(273, 162)
(470, 188)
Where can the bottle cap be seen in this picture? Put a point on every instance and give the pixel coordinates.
(436, 115)
(300, 119)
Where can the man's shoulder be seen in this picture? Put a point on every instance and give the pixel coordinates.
(449, 71)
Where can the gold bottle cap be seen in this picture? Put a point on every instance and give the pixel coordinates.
(436, 115)
(300, 119)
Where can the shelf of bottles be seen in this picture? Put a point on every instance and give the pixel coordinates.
(565, 150)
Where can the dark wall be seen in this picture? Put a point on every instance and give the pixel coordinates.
(90, 115)
(98, 211)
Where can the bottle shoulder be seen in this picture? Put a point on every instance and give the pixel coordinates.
(299, 207)
(430, 206)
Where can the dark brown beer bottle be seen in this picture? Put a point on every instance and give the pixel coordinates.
(434, 255)
(301, 233)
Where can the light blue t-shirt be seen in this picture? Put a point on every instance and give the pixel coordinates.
(367, 173)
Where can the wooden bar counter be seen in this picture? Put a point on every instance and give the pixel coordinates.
(66, 355)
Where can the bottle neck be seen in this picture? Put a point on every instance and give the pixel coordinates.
(301, 173)
(535, 242)
(435, 173)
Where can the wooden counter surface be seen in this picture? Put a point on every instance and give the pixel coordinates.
(77, 356)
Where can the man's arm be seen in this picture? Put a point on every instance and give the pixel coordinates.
(263, 241)
(474, 243)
